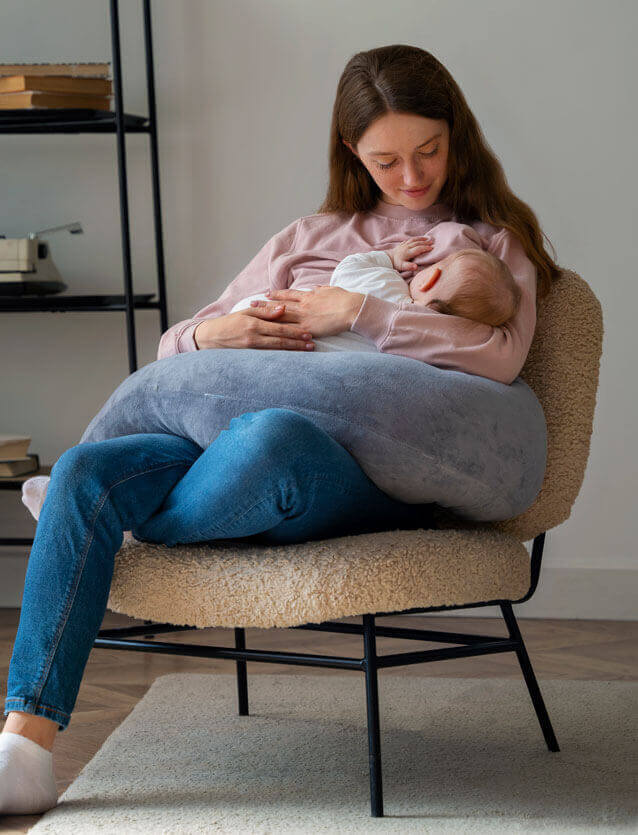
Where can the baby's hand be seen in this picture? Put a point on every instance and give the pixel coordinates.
(401, 254)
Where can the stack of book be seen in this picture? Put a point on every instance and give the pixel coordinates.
(14, 459)
(44, 86)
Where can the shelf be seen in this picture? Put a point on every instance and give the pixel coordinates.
(61, 120)
(76, 301)
(83, 121)
(15, 482)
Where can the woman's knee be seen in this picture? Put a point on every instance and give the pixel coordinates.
(76, 461)
(281, 432)
(114, 458)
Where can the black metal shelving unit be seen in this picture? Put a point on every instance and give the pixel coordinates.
(118, 123)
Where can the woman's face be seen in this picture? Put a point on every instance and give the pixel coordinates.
(404, 152)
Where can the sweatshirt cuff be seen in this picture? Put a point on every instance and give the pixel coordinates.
(374, 319)
(185, 340)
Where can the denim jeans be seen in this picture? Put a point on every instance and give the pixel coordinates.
(272, 477)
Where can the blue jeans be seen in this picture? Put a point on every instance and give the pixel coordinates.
(272, 477)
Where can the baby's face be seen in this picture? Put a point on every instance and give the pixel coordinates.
(432, 282)
(437, 281)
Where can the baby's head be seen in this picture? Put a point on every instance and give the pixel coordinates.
(470, 283)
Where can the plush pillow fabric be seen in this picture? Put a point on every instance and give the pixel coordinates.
(420, 433)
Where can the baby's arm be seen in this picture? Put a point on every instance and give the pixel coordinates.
(370, 272)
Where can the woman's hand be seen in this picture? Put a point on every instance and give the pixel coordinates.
(323, 311)
(401, 254)
(251, 328)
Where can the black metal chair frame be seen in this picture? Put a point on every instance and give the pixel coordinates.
(122, 638)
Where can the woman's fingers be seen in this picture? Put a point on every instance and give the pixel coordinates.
(276, 306)
(279, 334)
(260, 303)
(285, 336)
(259, 307)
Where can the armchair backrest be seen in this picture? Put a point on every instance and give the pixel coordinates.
(562, 368)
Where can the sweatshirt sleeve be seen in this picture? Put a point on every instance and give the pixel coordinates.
(254, 278)
(454, 342)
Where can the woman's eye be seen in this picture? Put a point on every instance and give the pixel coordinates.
(390, 164)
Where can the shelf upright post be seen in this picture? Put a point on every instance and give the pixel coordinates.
(121, 166)
(157, 206)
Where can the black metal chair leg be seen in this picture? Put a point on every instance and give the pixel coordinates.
(242, 678)
(530, 678)
(372, 702)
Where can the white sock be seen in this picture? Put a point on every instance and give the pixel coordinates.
(27, 784)
(34, 491)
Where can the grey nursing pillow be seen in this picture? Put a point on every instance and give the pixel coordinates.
(420, 433)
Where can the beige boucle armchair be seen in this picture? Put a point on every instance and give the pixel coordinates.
(459, 564)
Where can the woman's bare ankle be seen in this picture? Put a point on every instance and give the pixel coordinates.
(36, 728)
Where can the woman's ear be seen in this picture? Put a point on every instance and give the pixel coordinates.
(348, 145)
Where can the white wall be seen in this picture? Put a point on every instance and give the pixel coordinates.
(245, 91)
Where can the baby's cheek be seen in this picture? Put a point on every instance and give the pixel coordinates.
(417, 282)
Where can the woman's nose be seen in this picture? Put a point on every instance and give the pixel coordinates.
(412, 175)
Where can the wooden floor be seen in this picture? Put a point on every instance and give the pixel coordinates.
(115, 681)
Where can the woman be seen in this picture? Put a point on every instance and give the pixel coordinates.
(400, 125)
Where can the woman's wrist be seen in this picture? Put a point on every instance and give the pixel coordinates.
(202, 340)
(357, 303)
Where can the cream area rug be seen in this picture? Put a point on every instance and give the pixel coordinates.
(458, 755)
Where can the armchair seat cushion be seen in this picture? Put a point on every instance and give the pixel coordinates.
(238, 583)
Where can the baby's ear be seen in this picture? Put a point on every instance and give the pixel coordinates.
(438, 306)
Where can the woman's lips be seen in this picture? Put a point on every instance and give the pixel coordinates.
(417, 193)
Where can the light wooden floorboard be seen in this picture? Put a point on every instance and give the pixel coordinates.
(115, 681)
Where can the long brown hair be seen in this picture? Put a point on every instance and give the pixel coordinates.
(406, 79)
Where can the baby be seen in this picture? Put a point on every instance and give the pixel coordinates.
(468, 282)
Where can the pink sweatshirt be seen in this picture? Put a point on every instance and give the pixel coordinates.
(305, 253)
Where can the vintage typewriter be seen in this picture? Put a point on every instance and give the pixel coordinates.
(26, 266)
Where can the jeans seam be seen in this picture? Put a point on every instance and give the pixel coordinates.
(75, 580)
